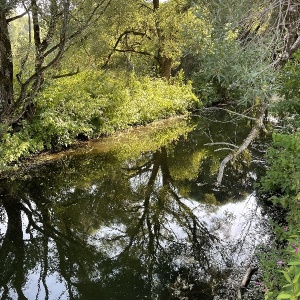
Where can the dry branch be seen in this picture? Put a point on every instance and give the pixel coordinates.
(259, 124)
(221, 143)
(246, 279)
(231, 112)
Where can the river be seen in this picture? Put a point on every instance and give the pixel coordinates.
(136, 216)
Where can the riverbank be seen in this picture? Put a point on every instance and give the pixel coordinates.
(282, 262)
(91, 105)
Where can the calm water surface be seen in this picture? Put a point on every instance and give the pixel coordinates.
(135, 216)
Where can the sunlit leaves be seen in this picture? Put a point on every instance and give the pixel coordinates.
(284, 174)
(92, 104)
(230, 71)
(137, 36)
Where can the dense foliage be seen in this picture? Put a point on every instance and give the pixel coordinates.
(230, 72)
(92, 104)
(282, 182)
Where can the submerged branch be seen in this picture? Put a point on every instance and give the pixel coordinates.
(245, 282)
(221, 143)
(243, 115)
(259, 124)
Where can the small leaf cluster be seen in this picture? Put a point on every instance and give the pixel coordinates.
(283, 280)
(283, 177)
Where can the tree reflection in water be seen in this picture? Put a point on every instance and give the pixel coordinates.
(98, 227)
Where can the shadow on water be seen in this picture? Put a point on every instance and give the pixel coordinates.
(134, 217)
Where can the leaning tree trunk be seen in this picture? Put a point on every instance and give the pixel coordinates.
(258, 126)
(6, 69)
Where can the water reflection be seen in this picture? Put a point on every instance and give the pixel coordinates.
(127, 225)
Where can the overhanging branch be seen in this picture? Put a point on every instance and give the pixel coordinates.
(259, 124)
(16, 17)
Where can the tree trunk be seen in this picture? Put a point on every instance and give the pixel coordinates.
(155, 5)
(165, 67)
(6, 69)
(164, 63)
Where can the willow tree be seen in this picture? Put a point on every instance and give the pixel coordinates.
(252, 41)
(52, 27)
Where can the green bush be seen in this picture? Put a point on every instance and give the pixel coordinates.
(288, 109)
(98, 103)
(282, 180)
(281, 266)
(92, 104)
(282, 270)
(283, 176)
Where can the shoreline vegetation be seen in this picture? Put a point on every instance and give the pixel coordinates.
(134, 134)
(90, 105)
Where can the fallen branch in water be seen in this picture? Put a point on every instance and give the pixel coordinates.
(221, 143)
(259, 124)
(246, 279)
(231, 112)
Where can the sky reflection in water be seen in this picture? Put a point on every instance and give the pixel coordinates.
(132, 222)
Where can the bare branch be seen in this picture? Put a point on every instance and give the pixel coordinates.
(221, 143)
(133, 51)
(252, 135)
(119, 39)
(17, 17)
(66, 74)
(221, 149)
(231, 112)
(282, 59)
(281, 20)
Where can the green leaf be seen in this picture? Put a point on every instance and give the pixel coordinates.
(287, 276)
(296, 287)
(294, 263)
(284, 296)
(296, 278)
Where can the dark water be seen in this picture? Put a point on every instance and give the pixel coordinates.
(136, 216)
